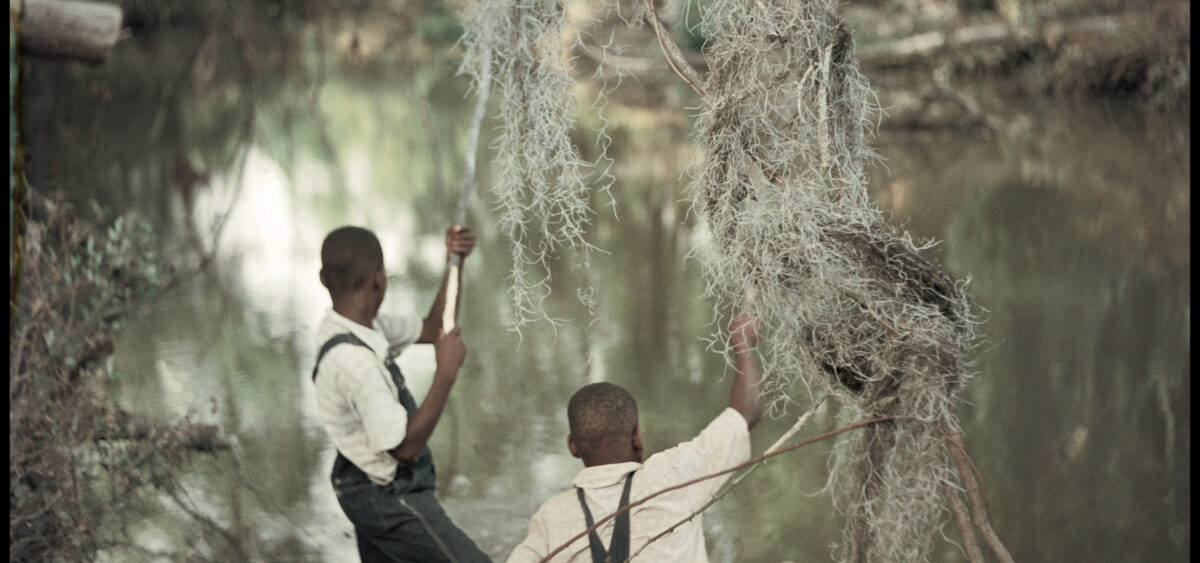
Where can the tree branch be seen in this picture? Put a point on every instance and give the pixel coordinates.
(974, 554)
(737, 479)
(974, 490)
(672, 53)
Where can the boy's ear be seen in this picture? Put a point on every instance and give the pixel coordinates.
(321, 274)
(571, 446)
(637, 438)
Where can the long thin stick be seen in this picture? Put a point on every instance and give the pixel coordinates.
(485, 86)
(738, 478)
(450, 309)
(672, 53)
(974, 554)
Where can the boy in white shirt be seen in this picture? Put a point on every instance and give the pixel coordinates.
(604, 434)
(384, 474)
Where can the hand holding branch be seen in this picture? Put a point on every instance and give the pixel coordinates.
(460, 240)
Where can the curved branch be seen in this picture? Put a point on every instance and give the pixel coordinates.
(737, 479)
(974, 554)
(974, 490)
(672, 53)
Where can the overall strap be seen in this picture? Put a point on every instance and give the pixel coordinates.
(343, 338)
(618, 547)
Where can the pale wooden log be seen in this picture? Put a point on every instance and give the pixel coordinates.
(72, 29)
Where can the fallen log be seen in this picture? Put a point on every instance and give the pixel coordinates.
(68, 29)
(935, 107)
(1008, 40)
(1051, 35)
(198, 437)
(904, 52)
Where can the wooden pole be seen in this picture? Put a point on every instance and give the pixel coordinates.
(450, 308)
(71, 29)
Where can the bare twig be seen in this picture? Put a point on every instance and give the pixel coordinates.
(974, 490)
(974, 554)
(192, 511)
(672, 53)
(737, 479)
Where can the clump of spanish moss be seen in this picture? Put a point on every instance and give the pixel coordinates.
(541, 187)
(848, 303)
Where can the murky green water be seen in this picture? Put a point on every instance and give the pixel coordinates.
(1073, 223)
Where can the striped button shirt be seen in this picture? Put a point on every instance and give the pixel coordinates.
(357, 401)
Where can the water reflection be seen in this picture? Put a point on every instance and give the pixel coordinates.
(1073, 224)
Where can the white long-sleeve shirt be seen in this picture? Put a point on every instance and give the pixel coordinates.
(356, 399)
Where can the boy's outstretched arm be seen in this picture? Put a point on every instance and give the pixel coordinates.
(744, 396)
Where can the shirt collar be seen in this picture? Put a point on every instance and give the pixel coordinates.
(598, 476)
(370, 336)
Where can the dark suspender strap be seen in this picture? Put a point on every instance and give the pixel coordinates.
(343, 338)
(618, 547)
(597, 548)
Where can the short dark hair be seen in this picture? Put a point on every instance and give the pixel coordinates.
(349, 256)
(600, 415)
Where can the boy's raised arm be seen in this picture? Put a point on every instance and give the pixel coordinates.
(744, 396)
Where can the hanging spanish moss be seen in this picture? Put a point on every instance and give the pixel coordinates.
(848, 303)
(540, 188)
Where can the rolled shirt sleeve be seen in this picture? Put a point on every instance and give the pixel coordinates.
(400, 330)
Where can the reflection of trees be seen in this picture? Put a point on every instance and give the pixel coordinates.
(1083, 389)
(233, 364)
(191, 86)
